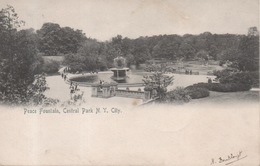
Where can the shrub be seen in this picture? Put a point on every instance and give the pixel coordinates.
(178, 95)
(197, 92)
(218, 87)
(233, 76)
(255, 76)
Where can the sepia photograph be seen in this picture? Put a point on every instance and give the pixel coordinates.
(129, 82)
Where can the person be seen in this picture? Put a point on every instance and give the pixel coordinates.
(65, 77)
(71, 92)
(209, 80)
(61, 75)
(76, 86)
(71, 84)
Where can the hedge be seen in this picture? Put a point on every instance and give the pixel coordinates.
(197, 92)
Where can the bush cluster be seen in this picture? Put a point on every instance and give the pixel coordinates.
(178, 95)
(197, 92)
(228, 76)
(218, 87)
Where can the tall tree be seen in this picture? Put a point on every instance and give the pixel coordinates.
(248, 59)
(18, 60)
(54, 39)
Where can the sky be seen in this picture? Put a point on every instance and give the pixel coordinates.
(104, 19)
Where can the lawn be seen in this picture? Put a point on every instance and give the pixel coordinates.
(229, 97)
(199, 66)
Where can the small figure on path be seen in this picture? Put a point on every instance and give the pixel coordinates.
(209, 80)
(71, 93)
(76, 86)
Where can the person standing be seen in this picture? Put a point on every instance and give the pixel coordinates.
(76, 86)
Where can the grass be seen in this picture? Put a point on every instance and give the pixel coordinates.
(198, 66)
(230, 97)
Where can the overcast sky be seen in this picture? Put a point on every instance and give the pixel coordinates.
(103, 19)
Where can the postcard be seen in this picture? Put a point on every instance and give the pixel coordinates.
(120, 82)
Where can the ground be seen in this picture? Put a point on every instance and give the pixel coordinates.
(190, 134)
(230, 98)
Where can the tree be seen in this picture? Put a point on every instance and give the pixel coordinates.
(248, 59)
(229, 57)
(158, 82)
(54, 40)
(18, 60)
(49, 39)
(130, 59)
(166, 49)
(252, 31)
(141, 53)
(186, 51)
(204, 55)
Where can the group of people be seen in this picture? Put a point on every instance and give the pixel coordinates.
(73, 88)
(66, 69)
(75, 92)
(64, 76)
(101, 82)
(188, 72)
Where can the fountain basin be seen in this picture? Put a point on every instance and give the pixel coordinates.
(132, 80)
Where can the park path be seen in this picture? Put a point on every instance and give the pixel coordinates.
(60, 90)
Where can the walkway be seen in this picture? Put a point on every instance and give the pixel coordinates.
(60, 90)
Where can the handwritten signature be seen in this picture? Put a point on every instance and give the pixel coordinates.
(229, 159)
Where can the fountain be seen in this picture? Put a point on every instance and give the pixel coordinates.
(120, 71)
(119, 74)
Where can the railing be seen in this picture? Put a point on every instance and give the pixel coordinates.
(130, 94)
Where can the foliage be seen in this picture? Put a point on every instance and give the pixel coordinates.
(119, 62)
(75, 62)
(248, 59)
(159, 82)
(130, 59)
(35, 92)
(228, 56)
(234, 76)
(243, 61)
(50, 67)
(178, 95)
(202, 54)
(54, 39)
(197, 92)
(19, 62)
